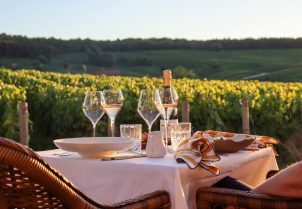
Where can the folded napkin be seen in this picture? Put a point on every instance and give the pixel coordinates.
(197, 152)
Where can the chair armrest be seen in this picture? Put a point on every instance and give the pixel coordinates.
(209, 196)
(154, 200)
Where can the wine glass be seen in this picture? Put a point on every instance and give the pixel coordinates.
(147, 108)
(175, 96)
(92, 107)
(112, 102)
(166, 104)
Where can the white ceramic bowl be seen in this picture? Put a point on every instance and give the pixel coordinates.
(94, 147)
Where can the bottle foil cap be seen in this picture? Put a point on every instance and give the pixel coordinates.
(167, 74)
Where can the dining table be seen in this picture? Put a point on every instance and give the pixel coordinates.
(113, 181)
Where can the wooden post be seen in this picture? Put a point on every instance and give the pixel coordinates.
(301, 110)
(185, 111)
(23, 123)
(245, 116)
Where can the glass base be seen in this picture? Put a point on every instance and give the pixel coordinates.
(137, 146)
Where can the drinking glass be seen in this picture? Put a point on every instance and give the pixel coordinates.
(133, 131)
(165, 108)
(179, 132)
(92, 107)
(112, 102)
(162, 127)
(147, 108)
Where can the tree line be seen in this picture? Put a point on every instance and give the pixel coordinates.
(16, 46)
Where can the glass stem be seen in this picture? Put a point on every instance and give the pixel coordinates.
(166, 127)
(94, 125)
(166, 133)
(149, 128)
(112, 127)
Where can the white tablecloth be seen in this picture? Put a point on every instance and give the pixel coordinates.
(114, 181)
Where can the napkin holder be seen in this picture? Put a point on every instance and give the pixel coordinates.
(155, 145)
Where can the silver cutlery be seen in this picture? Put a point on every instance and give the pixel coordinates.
(62, 154)
(122, 157)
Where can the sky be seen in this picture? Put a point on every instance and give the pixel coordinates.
(120, 19)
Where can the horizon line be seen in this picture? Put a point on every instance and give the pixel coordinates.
(148, 38)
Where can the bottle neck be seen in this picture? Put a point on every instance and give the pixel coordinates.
(167, 75)
(167, 95)
(167, 86)
(167, 82)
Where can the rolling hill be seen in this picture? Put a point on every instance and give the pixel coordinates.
(259, 64)
(274, 59)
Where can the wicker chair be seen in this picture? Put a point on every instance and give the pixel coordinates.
(208, 197)
(28, 182)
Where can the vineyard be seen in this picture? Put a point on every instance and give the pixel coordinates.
(55, 101)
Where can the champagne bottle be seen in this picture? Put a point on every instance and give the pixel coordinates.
(168, 102)
(169, 97)
(167, 92)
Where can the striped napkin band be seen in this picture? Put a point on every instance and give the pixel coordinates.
(197, 152)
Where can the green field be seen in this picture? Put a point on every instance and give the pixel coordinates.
(271, 64)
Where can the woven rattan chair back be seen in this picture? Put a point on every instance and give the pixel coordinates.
(209, 197)
(26, 181)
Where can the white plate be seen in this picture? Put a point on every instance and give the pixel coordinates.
(94, 147)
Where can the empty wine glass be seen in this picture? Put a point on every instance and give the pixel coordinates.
(175, 96)
(166, 104)
(147, 108)
(112, 102)
(92, 107)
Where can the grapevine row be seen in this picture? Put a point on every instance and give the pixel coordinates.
(55, 103)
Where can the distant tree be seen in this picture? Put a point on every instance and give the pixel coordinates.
(37, 65)
(21, 46)
(123, 61)
(209, 68)
(107, 59)
(182, 72)
(66, 66)
(15, 66)
(42, 59)
(138, 61)
(143, 61)
(98, 57)
(84, 68)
